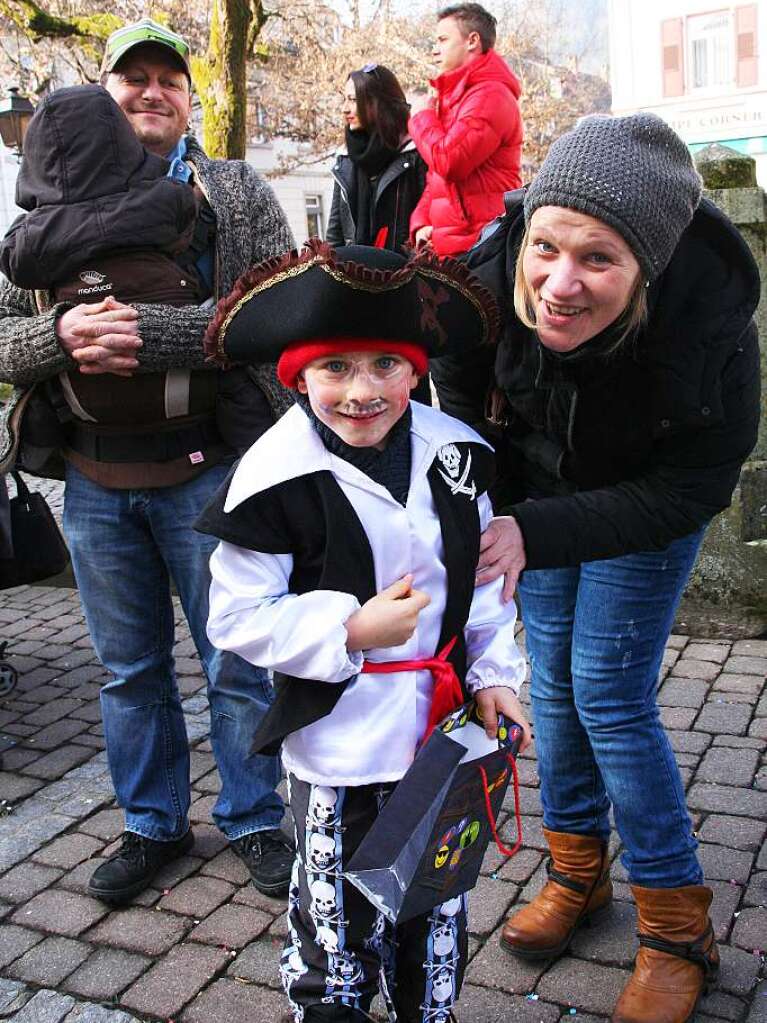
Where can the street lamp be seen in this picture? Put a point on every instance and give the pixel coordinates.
(15, 114)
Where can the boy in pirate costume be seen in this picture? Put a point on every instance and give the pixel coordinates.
(350, 536)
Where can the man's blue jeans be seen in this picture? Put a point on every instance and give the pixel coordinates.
(595, 637)
(126, 546)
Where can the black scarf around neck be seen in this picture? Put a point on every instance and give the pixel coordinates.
(390, 468)
(370, 157)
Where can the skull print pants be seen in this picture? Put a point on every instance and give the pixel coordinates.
(340, 950)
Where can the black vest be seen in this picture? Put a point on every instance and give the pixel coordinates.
(311, 518)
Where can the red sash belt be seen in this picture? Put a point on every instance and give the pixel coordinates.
(447, 695)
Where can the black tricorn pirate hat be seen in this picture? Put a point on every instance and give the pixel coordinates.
(352, 292)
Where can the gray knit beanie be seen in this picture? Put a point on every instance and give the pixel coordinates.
(634, 173)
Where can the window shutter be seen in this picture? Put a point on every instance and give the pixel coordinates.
(672, 37)
(747, 72)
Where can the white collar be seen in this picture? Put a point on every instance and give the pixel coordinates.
(293, 448)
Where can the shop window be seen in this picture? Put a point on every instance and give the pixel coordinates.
(710, 39)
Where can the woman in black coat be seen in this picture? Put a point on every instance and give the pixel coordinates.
(380, 176)
(626, 398)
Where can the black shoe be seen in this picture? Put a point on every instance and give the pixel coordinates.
(133, 866)
(269, 856)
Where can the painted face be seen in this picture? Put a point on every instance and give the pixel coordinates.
(452, 49)
(359, 395)
(153, 92)
(581, 273)
(349, 107)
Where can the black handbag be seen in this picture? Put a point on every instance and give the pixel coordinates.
(39, 550)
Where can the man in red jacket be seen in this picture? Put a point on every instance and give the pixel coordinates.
(469, 132)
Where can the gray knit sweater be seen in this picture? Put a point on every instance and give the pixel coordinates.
(251, 226)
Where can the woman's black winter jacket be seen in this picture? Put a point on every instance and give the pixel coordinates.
(623, 451)
(396, 192)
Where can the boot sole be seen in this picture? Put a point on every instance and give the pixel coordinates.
(555, 950)
(274, 891)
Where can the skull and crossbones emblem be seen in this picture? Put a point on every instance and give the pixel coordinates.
(450, 457)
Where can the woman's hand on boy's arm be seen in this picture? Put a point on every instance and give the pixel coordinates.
(388, 619)
(501, 700)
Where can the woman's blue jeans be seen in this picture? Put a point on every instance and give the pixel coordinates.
(595, 636)
(126, 546)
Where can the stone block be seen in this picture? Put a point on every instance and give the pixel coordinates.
(98, 1014)
(48, 963)
(750, 930)
(584, 985)
(55, 764)
(108, 972)
(208, 841)
(750, 647)
(480, 1005)
(737, 832)
(69, 850)
(13, 996)
(259, 963)
(231, 926)
(489, 902)
(45, 1007)
(15, 786)
(728, 766)
(226, 1001)
(749, 685)
(58, 707)
(688, 667)
(166, 987)
(249, 895)
(200, 810)
(716, 652)
(739, 972)
(197, 896)
(756, 893)
(174, 872)
(227, 867)
(15, 941)
(146, 931)
(758, 1013)
(106, 824)
(722, 1006)
(60, 912)
(727, 896)
(744, 665)
(677, 718)
(687, 692)
(612, 938)
(493, 967)
(724, 719)
(689, 742)
(58, 733)
(726, 799)
(519, 868)
(26, 880)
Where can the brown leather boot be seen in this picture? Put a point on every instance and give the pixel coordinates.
(579, 887)
(677, 961)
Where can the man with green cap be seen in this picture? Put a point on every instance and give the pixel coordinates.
(135, 485)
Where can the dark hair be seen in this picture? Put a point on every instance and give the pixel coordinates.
(472, 18)
(381, 103)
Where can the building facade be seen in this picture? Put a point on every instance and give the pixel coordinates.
(699, 64)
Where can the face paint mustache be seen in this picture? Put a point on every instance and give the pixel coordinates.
(357, 408)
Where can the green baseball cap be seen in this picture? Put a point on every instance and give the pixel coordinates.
(139, 33)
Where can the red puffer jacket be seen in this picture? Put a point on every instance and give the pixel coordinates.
(472, 145)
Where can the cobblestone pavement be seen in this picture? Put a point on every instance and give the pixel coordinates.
(201, 946)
